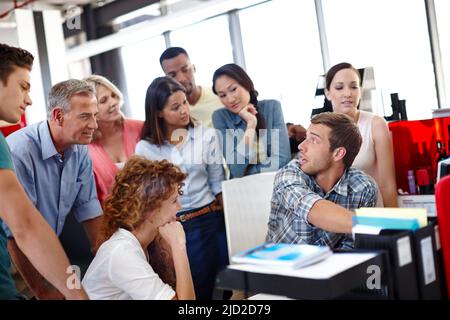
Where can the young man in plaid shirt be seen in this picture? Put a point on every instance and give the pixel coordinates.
(314, 197)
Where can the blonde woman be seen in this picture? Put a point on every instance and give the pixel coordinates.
(116, 137)
(142, 206)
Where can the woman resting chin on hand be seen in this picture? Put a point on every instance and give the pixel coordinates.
(142, 206)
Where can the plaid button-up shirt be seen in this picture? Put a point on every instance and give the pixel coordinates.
(294, 194)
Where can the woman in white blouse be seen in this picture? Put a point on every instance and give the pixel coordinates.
(142, 206)
(169, 133)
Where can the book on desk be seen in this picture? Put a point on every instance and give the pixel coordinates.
(285, 255)
(330, 278)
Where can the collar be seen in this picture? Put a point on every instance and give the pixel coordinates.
(191, 133)
(48, 148)
(341, 187)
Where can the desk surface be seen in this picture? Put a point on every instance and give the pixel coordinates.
(329, 279)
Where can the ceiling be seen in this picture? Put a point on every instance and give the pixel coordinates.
(47, 4)
(71, 7)
(60, 2)
(7, 6)
(51, 2)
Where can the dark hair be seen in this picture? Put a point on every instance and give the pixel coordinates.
(235, 72)
(335, 69)
(11, 57)
(156, 98)
(170, 53)
(344, 133)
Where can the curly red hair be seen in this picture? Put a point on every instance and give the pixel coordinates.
(139, 187)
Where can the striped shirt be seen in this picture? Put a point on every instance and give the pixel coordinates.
(294, 194)
(199, 157)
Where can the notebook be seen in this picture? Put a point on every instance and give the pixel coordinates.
(284, 255)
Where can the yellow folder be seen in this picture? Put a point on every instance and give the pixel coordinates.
(419, 213)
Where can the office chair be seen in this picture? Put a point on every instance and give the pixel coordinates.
(247, 207)
(442, 193)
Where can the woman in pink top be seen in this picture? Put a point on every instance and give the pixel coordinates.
(115, 140)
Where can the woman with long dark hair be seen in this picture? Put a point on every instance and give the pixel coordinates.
(254, 135)
(169, 133)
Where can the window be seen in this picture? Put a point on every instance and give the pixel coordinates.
(208, 45)
(443, 23)
(282, 54)
(79, 69)
(141, 64)
(392, 37)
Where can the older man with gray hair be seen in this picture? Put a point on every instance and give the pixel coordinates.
(53, 165)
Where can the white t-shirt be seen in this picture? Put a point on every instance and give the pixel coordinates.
(120, 271)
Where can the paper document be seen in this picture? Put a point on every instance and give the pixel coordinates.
(364, 229)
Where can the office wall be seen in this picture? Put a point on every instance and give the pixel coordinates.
(9, 36)
(40, 33)
(287, 45)
(282, 50)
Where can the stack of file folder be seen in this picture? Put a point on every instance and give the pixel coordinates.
(391, 218)
(411, 244)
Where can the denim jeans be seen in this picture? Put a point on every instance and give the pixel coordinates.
(207, 251)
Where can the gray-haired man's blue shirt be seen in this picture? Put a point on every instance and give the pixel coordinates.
(54, 184)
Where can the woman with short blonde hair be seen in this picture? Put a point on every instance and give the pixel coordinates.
(116, 137)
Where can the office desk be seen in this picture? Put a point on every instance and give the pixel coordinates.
(331, 278)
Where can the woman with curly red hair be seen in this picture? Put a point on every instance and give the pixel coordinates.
(141, 207)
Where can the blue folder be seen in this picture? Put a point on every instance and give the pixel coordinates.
(387, 223)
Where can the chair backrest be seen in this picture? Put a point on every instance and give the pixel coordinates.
(442, 193)
(247, 207)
